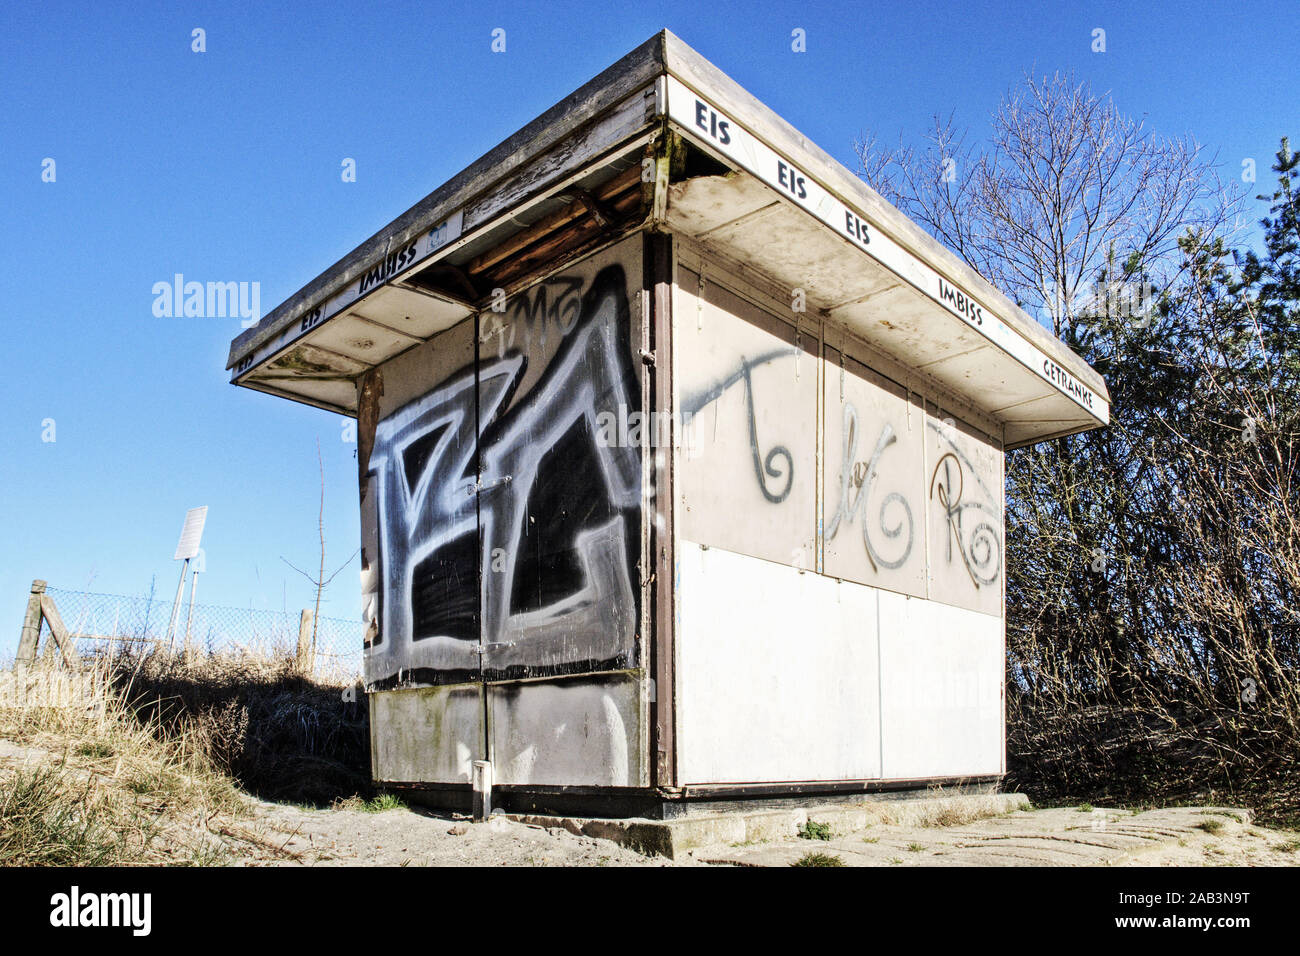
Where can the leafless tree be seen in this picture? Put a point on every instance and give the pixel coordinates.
(1064, 185)
(320, 582)
(1153, 567)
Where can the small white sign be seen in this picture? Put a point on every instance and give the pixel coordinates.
(446, 231)
(191, 534)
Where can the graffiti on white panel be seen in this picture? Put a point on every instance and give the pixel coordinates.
(969, 509)
(774, 470)
(892, 518)
(504, 523)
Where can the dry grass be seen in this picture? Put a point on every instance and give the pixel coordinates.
(379, 803)
(957, 815)
(282, 736)
(942, 807)
(97, 787)
(143, 760)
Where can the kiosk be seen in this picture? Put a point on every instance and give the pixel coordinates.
(680, 462)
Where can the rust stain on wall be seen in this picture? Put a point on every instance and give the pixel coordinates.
(370, 389)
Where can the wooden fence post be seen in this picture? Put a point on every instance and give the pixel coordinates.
(31, 633)
(305, 662)
(58, 631)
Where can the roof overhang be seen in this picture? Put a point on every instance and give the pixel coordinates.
(773, 202)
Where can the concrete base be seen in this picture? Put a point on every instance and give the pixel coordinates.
(672, 838)
(649, 803)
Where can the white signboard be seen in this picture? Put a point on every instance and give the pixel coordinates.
(191, 533)
(707, 123)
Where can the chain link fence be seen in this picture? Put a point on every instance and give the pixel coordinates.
(107, 623)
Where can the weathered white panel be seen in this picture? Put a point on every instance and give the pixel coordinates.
(964, 498)
(941, 689)
(776, 672)
(577, 732)
(357, 338)
(1025, 423)
(874, 478)
(746, 385)
(900, 322)
(975, 372)
(701, 204)
(414, 313)
(337, 393)
(425, 734)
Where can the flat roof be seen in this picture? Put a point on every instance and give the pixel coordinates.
(786, 209)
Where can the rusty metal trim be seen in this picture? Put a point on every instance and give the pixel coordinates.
(657, 282)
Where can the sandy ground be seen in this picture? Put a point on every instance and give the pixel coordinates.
(402, 837)
(1177, 836)
(283, 834)
(279, 834)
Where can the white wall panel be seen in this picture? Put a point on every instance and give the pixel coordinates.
(964, 495)
(746, 384)
(874, 479)
(941, 689)
(776, 672)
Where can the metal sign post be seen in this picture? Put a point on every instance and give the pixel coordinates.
(186, 548)
(176, 606)
(194, 590)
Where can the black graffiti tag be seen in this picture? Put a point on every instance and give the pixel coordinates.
(853, 474)
(764, 466)
(979, 549)
(509, 532)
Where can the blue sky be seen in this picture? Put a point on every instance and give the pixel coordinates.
(225, 166)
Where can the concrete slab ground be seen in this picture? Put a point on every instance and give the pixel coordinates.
(985, 830)
(673, 838)
(1174, 836)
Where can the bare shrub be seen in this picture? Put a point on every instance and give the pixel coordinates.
(1152, 566)
(283, 736)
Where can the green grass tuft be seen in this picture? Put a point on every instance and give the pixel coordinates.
(48, 818)
(812, 830)
(384, 801)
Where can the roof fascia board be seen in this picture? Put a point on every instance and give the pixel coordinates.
(633, 72)
(694, 71)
